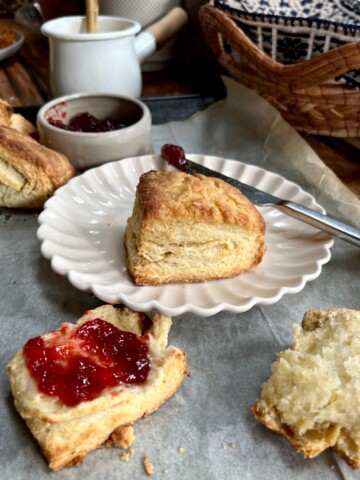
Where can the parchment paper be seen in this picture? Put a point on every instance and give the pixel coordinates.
(229, 355)
(246, 127)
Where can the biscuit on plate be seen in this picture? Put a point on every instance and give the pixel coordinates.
(78, 416)
(191, 228)
(312, 397)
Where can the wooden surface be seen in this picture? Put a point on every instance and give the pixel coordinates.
(24, 81)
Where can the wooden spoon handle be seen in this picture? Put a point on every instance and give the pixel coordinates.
(168, 26)
(92, 12)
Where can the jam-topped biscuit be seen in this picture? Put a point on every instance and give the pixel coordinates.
(84, 385)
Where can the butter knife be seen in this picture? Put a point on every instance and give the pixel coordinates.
(258, 197)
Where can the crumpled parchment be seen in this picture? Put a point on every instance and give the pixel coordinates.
(245, 127)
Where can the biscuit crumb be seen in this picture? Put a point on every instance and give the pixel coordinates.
(122, 437)
(181, 450)
(148, 466)
(226, 445)
(124, 456)
(166, 471)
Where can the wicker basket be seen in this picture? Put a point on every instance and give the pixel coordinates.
(305, 94)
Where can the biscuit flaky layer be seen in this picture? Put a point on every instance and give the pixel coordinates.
(67, 434)
(8, 118)
(29, 172)
(191, 228)
(313, 395)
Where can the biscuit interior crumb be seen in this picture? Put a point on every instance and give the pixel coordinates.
(148, 466)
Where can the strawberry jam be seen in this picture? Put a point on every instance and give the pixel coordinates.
(76, 364)
(174, 155)
(85, 122)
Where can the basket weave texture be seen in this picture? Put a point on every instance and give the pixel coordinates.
(305, 94)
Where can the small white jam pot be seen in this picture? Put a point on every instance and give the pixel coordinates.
(88, 149)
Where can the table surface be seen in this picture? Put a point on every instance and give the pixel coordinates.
(229, 354)
(24, 82)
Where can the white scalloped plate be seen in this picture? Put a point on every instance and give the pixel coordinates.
(82, 228)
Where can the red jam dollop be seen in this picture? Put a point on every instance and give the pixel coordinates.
(85, 122)
(76, 364)
(174, 155)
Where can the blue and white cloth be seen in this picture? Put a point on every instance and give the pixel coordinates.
(292, 31)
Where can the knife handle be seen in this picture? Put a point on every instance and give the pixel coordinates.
(323, 222)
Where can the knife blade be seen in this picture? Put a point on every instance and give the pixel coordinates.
(258, 197)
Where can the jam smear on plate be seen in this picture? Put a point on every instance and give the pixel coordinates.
(76, 364)
(85, 122)
(174, 155)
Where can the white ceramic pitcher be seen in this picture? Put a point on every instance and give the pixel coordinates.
(108, 60)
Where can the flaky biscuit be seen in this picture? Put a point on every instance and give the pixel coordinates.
(8, 118)
(6, 111)
(22, 125)
(29, 172)
(66, 434)
(191, 228)
(313, 395)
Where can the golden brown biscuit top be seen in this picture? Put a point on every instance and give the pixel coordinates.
(6, 110)
(172, 194)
